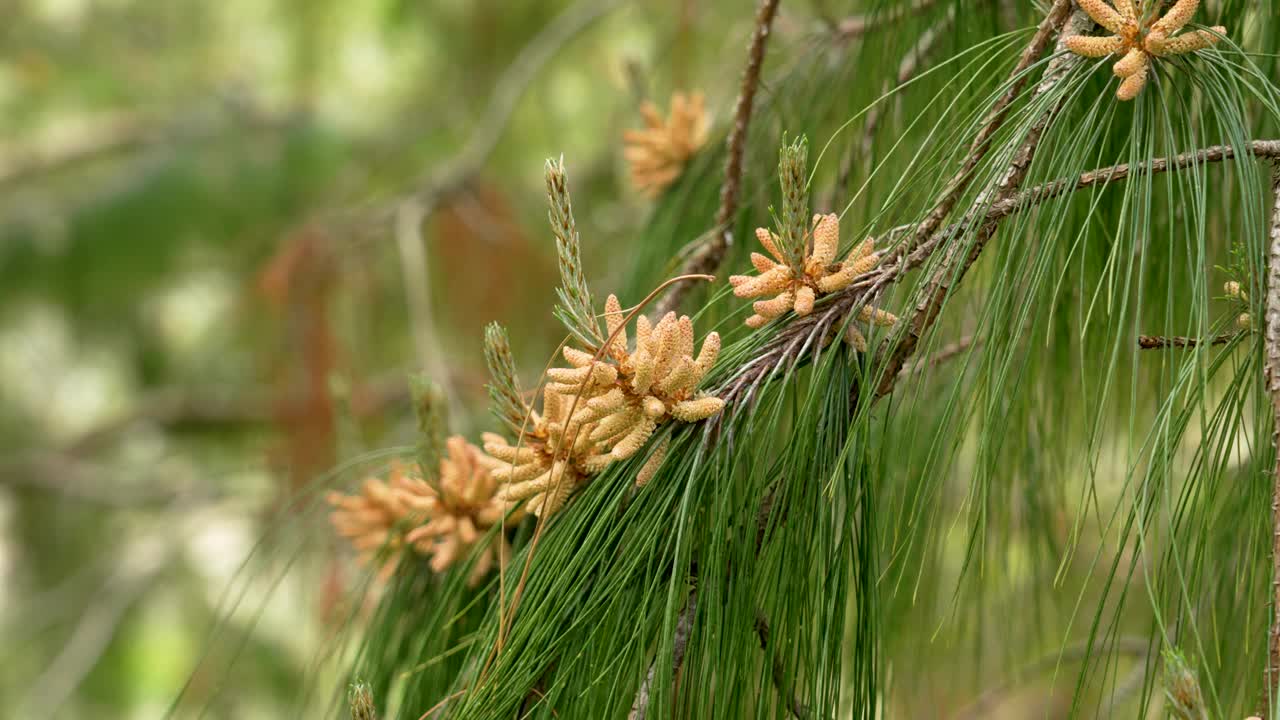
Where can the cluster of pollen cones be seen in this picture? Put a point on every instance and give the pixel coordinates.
(604, 407)
(446, 520)
(797, 287)
(1138, 37)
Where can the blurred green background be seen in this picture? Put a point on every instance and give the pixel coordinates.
(203, 301)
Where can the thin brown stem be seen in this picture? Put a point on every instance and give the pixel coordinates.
(679, 645)
(707, 259)
(778, 671)
(943, 354)
(856, 26)
(981, 145)
(1273, 388)
(1160, 342)
(958, 258)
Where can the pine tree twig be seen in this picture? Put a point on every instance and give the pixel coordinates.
(856, 26)
(981, 706)
(1272, 341)
(942, 355)
(706, 259)
(892, 269)
(794, 337)
(145, 560)
(907, 69)
(958, 258)
(981, 145)
(519, 75)
(679, 645)
(128, 133)
(778, 672)
(1160, 342)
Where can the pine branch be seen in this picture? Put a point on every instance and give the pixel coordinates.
(892, 269)
(706, 259)
(816, 329)
(856, 26)
(907, 69)
(983, 705)
(778, 672)
(958, 260)
(515, 80)
(943, 354)
(981, 144)
(679, 645)
(1273, 388)
(1160, 342)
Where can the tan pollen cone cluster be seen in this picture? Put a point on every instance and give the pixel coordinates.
(1138, 41)
(549, 462)
(656, 380)
(459, 511)
(602, 410)
(658, 153)
(790, 288)
(373, 519)
(446, 521)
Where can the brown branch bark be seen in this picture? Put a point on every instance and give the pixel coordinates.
(679, 645)
(856, 26)
(706, 259)
(1159, 342)
(1273, 388)
(981, 145)
(958, 259)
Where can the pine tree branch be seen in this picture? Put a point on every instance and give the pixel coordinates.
(856, 26)
(893, 268)
(706, 259)
(1160, 342)
(679, 645)
(519, 75)
(981, 144)
(907, 69)
(778, 672)
(816, 329)
(958, 259)
(1273, 388)
(942, 355)
(981, 706)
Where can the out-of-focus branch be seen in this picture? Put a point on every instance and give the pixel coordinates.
(856, 26)
(142, 565)
(123, 133)
(982, 705)
(512, 85)
(943, 354)
(907, 69)
(706, 259)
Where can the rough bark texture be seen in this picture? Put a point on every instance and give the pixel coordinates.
(706, 259)
(1273, 389)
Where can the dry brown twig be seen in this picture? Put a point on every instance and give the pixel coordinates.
(856, 26)
(706, 259)
(1272, 345)
(1161, 342)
